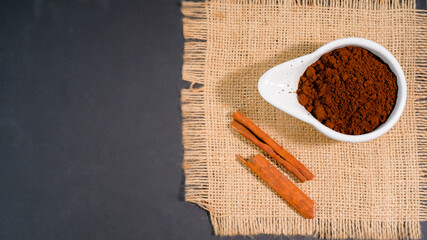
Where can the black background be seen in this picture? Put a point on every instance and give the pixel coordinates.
(90, 125)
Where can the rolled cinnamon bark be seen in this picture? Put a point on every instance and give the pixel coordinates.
(259, 133)
(281, 184)
(248, 135)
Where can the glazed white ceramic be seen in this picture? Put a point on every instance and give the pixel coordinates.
(278, 86)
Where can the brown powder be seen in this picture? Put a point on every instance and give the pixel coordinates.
(350, 90)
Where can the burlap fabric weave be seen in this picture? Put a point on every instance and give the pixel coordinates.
(366, 190)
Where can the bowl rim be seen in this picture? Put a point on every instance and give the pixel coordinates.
(394, 66)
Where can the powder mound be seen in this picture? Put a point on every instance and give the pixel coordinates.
(350, 90)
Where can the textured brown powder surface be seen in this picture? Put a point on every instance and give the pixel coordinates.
(350, 90)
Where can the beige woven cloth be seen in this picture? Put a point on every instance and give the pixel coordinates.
(366, 190)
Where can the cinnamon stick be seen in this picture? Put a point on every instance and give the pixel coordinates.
(248, 135)
(259, 133)
(281, 184)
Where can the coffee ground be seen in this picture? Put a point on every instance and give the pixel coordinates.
(350, 90)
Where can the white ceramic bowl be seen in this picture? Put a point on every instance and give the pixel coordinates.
(278, 86)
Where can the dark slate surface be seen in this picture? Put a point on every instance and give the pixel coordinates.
(90, 126)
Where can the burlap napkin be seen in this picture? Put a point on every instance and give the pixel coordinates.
(366, 190)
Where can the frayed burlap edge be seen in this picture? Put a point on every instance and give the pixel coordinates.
(195, 163)
(192, 104)
(421, 105)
